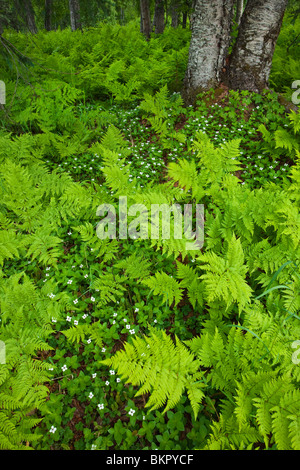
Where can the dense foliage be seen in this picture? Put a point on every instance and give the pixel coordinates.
(139, 343)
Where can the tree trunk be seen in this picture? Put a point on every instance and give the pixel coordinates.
(145, 18)
(75, 14)
(210, 25)
(239, 11)
(48, 12)
(251, 59)
(30, 18)
(174, 14)
(159, 17)
(184, 19)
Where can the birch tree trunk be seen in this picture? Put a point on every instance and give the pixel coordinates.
(210, 25)
(75, 14)
(145, 18)
(239, 11)
(48, 12)
(251, 58)
(159, 17)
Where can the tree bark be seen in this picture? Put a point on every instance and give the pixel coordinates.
(145, 18)
(30, 18)
(252, 54)
(174, 14)
(239, 11)
(48, 14)
(75, 14)
(159, 17)
(210, 25)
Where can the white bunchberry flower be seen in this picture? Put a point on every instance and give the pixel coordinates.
(118, 380)
(75, 322)
(51, 296)
(93, 299)
(69, 233)
(115, 315)
(54, 320)
(128, 327)
(100, 406)
(69, 281)
(131, 412)
(86, 275)
(52, 429)
(132, 332)
(48, 268)
(85, 315)
(75, 301)
(103, 349)
(136, 310)
(69, 318)
(94, 375)
(107, 382)
(112, 372)
(64, 367)
(91, 395)
(81, 266)
(89, 341)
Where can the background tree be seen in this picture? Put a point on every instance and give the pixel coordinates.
(26, 11)
(145, 18)
(159, 17)
(48, 14)
(75, 14)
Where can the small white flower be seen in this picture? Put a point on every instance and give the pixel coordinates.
(136, 310)
(93, 299)
(107, 382)
(115, 315)
(112, 372)
(51, 296)
(75, 301)
(69, 281)
(103, 350)
(85, 315)
(81, 266)
(100, 406)
(128, 327)
(69, 233)
(75, 322)
(118, 380)
(86, 275)
(91, 395)
(94, 375)
(64, 367)
(48, 269)
(54, 320)
(132, 332)
(131, 412)
(89, 341)
(52, 429)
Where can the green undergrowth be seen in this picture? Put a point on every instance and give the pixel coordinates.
(140, 343)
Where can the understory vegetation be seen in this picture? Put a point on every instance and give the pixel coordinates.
(140, 343)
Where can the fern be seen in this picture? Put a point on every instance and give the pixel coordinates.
(151, 361)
